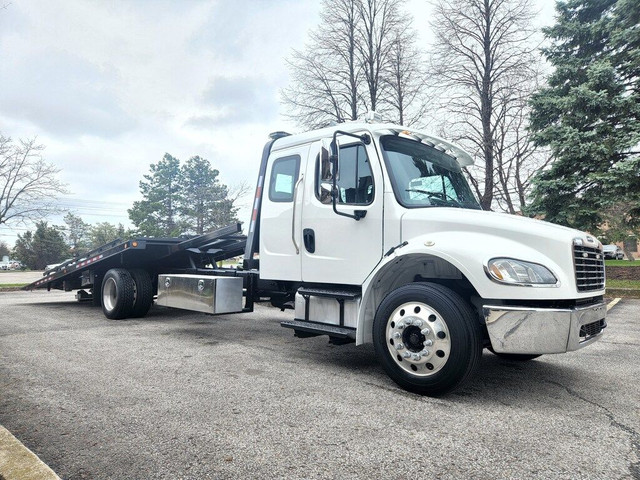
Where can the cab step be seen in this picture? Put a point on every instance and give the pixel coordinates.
(328, 304)
(329, 293)
(337, 334)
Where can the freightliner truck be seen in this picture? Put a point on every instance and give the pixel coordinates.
(370, 233)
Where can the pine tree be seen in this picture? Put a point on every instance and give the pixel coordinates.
(156, 215)
(204, 204)
(43, 247)
(187, 199)
(589, 115)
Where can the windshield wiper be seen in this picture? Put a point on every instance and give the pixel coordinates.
(446, 200)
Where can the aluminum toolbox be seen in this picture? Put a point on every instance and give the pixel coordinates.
(208, 294)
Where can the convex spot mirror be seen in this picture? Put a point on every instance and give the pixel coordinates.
(325, 193)
(329, 161)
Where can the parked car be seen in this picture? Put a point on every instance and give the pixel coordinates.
(612, 252)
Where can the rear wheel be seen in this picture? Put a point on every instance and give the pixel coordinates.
(143, 292)
(118, 289)
(427, 338)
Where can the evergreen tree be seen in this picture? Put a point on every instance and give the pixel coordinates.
(23, 249)
(204, 203)
(4, 249)
(105, 232)
(589, 115)
(44, 247)
(76, 233)
(183, 199)
(156, 215)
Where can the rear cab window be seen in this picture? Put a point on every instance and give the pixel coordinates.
(284, 174)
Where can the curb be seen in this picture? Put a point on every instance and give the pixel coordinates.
(17, 462)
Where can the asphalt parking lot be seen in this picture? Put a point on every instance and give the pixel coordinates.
(182, 395)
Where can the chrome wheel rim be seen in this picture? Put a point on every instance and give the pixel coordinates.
(109, 294)
(418, 339)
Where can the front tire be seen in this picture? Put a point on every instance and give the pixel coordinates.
(118, 291)
(427, 338)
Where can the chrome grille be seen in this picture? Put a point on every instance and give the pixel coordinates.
(589, 265)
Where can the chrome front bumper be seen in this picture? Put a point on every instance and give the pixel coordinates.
(543, 330)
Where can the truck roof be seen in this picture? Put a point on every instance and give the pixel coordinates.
(377, 129)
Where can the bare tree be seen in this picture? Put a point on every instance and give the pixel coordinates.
(326, 74)
(405, 101)
(484, 61)
(378, 29)
(517, 160)
(345, 68)
(28, 184)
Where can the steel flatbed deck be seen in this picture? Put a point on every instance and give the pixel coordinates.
(149, 253)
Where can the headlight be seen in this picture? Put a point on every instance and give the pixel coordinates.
(517, 272)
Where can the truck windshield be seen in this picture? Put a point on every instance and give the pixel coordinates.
(423, 176)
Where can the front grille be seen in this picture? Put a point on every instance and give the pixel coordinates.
(589, 265)
(591, 329)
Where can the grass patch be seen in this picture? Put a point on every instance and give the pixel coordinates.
(614, 283)
(621, 263)
(623, 288)
(12, 285)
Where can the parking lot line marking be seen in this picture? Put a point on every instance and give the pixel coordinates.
(613, 303)
(17, 462)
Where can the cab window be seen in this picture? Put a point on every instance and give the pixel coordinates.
(284, 174)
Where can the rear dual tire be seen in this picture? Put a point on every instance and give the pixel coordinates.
(143, 293)
(126, 293)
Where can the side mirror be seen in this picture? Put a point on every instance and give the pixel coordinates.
(329, 160)
(325, 162)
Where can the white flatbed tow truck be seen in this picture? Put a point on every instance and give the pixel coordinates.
(370, 233)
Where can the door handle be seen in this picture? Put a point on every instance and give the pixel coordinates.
(293, 219)
(309, 237)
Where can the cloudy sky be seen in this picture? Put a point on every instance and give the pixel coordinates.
(110, 86)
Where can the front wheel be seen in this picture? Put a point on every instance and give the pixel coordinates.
(427, 338)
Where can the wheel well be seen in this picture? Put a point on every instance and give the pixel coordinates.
(408, 269)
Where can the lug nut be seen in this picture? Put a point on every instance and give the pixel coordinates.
(399, 346)
(408, 321)
(427, 343)
(406, 355)
(396, 336)
(418, 323)
(424, 353)
(425, 331)
(400, 326)
(417, 356)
